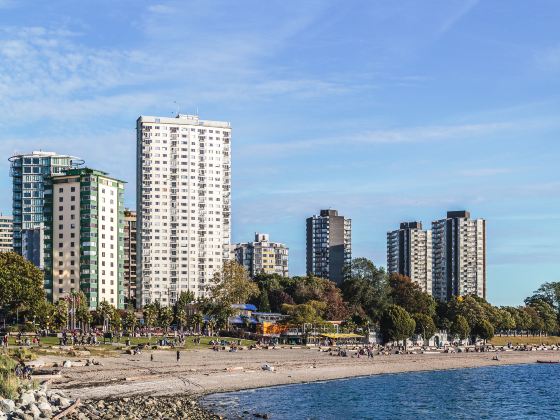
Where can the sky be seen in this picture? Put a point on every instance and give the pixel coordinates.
(386, 111)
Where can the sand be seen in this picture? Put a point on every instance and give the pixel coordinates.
(204, 371)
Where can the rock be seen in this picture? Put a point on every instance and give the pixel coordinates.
(33, 410)
(67, 364)
(45, 406)
(27, 397)
(7, 406)
(63, 402)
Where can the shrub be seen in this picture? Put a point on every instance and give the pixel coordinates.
(8, 382)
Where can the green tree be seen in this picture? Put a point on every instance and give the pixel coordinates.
(547, 315)
(129, 321)
(366, 288)
(264, 303)
(484, 330)
(60, 320)
(408, 295)
(468, 307)
(460, 328)
(105, 313)
(197, 320)
(165, 317)
(536, 324)
(21, 285)
(181, 308)
(396, 324)
(425, 325)
(232, 285)
(150, 314)
(305, 313)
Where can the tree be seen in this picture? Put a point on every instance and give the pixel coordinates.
(105, 313)
(165, 317)
(264, 304)
(45, 314)
(425, 326)
(21, 285)
(83, 314)
(305, 313)
(408, 295)
(150, 314)
(197, 320)
(547, 314)
(366, 288)
(460, 328)
(129, 321)
(181, 308)
(536, 324)
(484, 330)
(396, 324)
(232, 285)
(60, 320)
(277, 298)
(469, 308)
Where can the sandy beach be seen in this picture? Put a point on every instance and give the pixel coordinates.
(204, 371)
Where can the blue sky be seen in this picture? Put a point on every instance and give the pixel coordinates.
(387, 111)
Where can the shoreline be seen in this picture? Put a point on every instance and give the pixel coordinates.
(203, 372)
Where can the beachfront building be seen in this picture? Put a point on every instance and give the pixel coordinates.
(329, 245)
(6, 233)
(262, 256)
(84, 231)
(31, 180)
(409, 252)
(129, 280)
(183, 205)
(459, 256)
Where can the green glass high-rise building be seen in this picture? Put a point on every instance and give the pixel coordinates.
(31, 179)
(84, 237)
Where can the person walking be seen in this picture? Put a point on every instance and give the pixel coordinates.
(151, 357)
(178, 356)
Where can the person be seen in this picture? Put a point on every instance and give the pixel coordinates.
(178, 356)
(151, 357)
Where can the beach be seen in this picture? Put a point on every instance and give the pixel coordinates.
(204, 371)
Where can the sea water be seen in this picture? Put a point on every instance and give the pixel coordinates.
(498, 392)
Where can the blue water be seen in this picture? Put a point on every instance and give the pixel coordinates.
(501, 392)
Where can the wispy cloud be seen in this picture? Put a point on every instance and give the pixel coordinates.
(457, 15)
(484, 172)
(420, 134)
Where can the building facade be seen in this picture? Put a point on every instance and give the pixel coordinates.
(329, 245)
(31, 179)
(183, 205)
(409, 252)
(263, 256)
(459, 256)
(6, 233)
(84, 237)
(129, 281)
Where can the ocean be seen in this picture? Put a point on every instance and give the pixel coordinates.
(498, 392)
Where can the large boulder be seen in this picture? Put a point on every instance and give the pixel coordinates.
(33, 410)
(7, 406)
(27, 397)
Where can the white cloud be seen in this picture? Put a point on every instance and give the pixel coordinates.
(419, 134)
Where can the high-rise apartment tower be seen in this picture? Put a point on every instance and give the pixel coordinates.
(263, 256)
(6, 233)
(459, 256)
(409, 252)
(31, 178)
(85, 237)
(329, 245)
(183, 205)
(129, 282)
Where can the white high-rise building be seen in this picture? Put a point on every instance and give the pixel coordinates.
(459, 256)
(409, 252)
(183, 205)
(6, 233)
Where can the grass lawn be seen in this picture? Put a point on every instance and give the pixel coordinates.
(503, 341)
(204, 342)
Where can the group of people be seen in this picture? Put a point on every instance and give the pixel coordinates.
(74, 338)
(22, 371)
